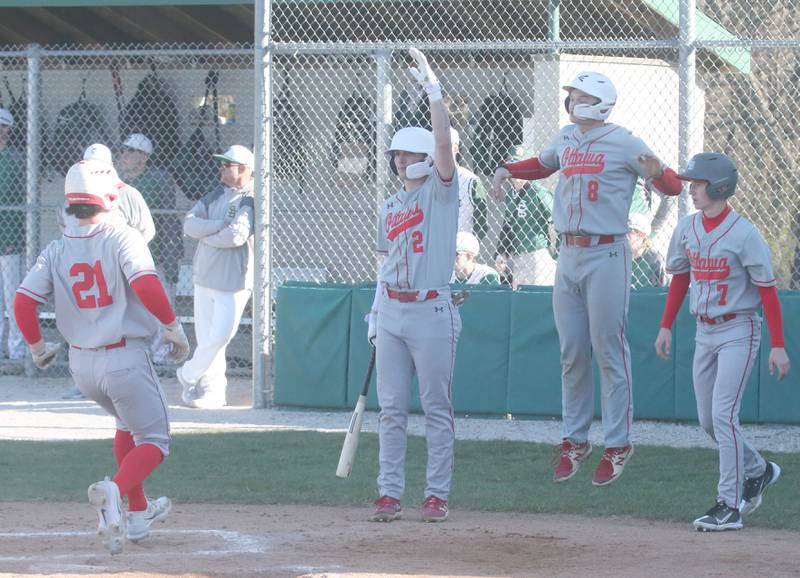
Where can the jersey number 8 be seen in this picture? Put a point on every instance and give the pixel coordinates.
(592, 193)
(90, 275)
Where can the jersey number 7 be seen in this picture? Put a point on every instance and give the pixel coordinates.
(90, 276)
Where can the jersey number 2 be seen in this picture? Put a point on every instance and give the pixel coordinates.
(90, 275)
(417, 244)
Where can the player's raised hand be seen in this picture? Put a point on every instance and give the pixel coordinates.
(652, 166)
(422, 72)
(664, 343)
(44, 354)
(501, 175)
(780, 361)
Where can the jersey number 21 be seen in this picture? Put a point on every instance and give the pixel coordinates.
(90, 276)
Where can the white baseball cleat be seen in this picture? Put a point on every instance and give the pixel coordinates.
(189, 391)
(104, 496)
(139, 523)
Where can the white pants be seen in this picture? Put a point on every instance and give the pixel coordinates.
(216, 319)
(11, 277)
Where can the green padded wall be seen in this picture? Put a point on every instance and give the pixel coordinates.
(311, 345)
(779, 402)
(508, 355)
(534, 370)
(481, 372)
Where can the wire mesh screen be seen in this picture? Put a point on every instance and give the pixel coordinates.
(340, 88)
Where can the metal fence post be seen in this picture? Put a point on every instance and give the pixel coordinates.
(33, 199)
(262, 287)
(686, 74)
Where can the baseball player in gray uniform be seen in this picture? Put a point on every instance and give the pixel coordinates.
(108, 303)
(413, 321)
(598, 164)
(131, 210)
(727, 264)
(222, 222)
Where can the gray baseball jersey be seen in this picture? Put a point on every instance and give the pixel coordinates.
(223, 222)
(417, 233)
(727, 265)
(598, 173)
(88, 272)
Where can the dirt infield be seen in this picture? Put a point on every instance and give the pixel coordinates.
(270, 542)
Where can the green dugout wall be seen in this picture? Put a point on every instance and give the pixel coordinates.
(508, 356)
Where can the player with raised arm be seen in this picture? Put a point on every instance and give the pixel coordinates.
(413, 321)
(108, 303)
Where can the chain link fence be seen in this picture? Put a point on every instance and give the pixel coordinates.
(340, 88)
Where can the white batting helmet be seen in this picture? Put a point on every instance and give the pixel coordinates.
(412, 139)
(92, 182)
(98, 152)
(467, 243)
(599, 86)
(6, 118)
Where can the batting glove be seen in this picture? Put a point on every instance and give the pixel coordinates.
(372, 330)
(44, 354)
(173, 333)
(423, 74)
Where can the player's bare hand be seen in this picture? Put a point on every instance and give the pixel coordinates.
(174, 335)
(664, 343)
(652, 166)
(44, 354)
(501, 175)
(780, 361)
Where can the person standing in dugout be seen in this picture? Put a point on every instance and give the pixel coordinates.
(108, 304)
(598, 164)
(722, 259)
(413, 322)
(223, 224)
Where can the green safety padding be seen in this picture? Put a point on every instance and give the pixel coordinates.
(481, 372)
(360, 352)
(779, 402)
(311, 345)
(534, 369)
(685, 403)
(653, 377)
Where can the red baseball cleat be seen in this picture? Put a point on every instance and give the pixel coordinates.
(569, 459)
(611, 465)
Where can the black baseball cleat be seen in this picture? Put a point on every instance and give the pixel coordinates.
(720, 517)
(754, 488)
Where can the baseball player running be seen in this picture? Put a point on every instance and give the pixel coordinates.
(413, 321)
(599, 164)
(108, 301)
(725, 261)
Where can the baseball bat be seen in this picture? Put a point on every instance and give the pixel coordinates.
(348, 455)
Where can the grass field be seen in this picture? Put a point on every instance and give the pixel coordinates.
(298, 468)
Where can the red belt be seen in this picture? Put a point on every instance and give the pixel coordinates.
(408, 296)
(715, 320)
(120, 343)
(586, 240)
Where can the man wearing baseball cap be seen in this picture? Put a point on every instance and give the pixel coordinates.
(158, 190)
(467, 269)
(222, 221)
(12, 233)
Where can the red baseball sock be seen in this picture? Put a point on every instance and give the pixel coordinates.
(123, 443)
(136, 465)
